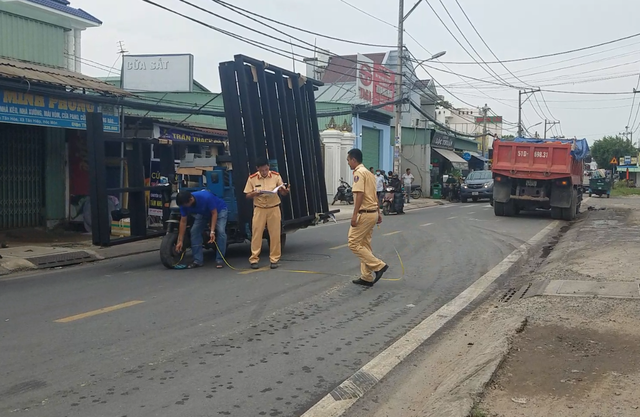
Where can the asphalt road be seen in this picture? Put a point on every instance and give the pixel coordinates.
(207, 342)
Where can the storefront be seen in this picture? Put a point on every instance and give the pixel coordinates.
(34, 169)
(444, 161)
(209, 142)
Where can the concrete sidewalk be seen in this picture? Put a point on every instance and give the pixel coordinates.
(77, 249)
(346, 211)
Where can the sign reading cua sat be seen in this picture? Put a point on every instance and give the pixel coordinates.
(158, 73)
(42, 110)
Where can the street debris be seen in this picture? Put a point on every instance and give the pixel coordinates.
(519, 400)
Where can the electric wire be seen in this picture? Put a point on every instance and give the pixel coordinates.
(232, 6)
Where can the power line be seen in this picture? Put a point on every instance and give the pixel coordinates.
(231, 6)
(551, 54)
(547, 90)
(470, 44)
(463, 47)
(369, 14)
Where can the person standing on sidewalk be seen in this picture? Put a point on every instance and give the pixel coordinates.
(407, 181)
(266, 211)
(206, 208)
(366, 214)
(379, 186)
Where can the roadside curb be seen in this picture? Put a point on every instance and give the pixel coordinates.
(13, 265)
(457, 395)
(354, 388)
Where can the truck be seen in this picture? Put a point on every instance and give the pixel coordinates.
(270, 112)
(532, 174)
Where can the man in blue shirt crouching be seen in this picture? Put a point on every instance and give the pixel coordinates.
(204, 206)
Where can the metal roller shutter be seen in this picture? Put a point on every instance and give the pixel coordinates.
(371, 147)
(21, 176)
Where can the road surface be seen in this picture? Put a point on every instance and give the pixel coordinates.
(127, 337)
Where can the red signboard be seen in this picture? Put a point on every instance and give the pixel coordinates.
(78, 164)
(490, 119)
(375, 84)
(383, 86)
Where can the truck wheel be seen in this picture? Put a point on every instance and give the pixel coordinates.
(590, 194)
(608, 195)
(556, 213)
(510, 208)
(168, 255)
(569, 214)
(498, 209)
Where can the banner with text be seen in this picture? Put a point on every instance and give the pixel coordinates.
(41, 110)
(196, 138)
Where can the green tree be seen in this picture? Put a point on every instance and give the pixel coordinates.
(603, 150)
(508, 137)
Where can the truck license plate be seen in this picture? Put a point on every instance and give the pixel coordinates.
(474, 193)
(531, 183)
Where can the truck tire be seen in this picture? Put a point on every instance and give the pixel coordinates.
(498, 209)
(168, 255)
(556, 213)
(569, 214)
(510, 209)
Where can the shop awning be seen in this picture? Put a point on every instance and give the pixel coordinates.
(21, 70)
(478, 156)
(454, 158)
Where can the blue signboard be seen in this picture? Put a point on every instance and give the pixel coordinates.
(40, 110)
(466, 156)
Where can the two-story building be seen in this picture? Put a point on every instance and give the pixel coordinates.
(43, 101)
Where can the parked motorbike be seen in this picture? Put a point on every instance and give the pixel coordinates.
(392, 201)
(344, 193)
(416, 192)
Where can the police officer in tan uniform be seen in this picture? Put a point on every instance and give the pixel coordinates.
(366, 214)
(266, 211)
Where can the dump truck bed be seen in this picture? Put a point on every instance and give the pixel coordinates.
(539, 159)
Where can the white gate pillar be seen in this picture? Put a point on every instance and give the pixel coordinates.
(332, 140)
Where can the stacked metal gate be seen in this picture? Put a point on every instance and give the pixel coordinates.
(271, 112)
(21, 176)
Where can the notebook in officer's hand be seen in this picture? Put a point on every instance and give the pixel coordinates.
(274, 191)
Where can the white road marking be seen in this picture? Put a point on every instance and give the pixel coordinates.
(471, 212)
(426, 224)
(453, 217)
(488, 205)
(381, 365)
(392, 233)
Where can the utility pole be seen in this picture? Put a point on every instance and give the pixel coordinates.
(549, 123)
(484, 147)
(397, 163)
(528, 93)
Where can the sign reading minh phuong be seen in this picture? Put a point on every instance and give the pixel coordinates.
(40, 110)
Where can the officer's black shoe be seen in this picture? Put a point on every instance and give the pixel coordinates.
(275, 265)
(254, 266)
(362, 282)
(380, 273)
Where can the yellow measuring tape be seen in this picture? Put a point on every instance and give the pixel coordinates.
(299, 271)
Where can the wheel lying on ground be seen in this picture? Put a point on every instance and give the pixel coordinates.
(168, 254)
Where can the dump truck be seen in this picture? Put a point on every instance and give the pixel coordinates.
(532, 174)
